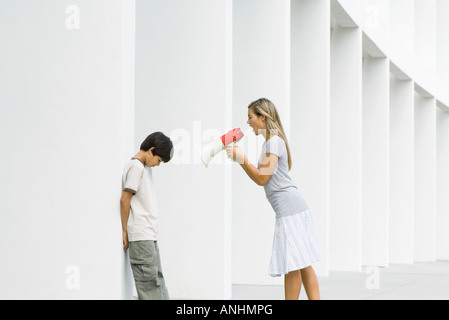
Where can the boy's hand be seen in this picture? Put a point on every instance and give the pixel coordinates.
(125, 240)
(125, 204)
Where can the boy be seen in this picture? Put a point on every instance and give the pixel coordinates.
(139, 216)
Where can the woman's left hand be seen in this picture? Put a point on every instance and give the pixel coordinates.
(235, 153)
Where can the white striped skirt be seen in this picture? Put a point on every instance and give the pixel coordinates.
(294, 244)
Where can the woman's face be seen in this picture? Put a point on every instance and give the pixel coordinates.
(255, 122)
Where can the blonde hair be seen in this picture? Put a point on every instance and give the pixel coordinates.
(264, 107)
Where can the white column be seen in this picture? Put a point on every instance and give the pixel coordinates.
(127, 115)
(345, 149)
(62, 141)
(425, 170)
(401, 227)
(442, 64)
(375, 161)
(310, 113)
(183, 71)
(442, 205)
(261, 47)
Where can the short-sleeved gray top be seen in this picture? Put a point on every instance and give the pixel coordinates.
(281, 191)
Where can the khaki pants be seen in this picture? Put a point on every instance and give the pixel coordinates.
(146, 265)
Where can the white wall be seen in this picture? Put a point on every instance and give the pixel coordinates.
(425, 38)
(401, 33)
(345, 148)
(410, 35)
(183, 90)
(401, 174)
(375, 160)
(442, 50)
(62, 144)
(442, 41)
(309, 116)
(425, 175)
(261, 68)
(442, 180)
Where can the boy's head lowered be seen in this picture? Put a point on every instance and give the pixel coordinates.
(157, 148)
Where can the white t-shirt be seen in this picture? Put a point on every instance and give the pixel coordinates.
(143, 214)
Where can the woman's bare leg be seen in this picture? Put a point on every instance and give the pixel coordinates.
(310, 281)
(292, 285)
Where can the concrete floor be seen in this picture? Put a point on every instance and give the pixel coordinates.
(418, 281)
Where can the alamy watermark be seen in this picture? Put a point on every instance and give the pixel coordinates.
(72, 281)
(188, 144)
(72, 21)
(372, 282)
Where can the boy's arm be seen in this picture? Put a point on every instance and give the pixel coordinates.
(125, 204)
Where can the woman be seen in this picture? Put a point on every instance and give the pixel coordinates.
(294, 242)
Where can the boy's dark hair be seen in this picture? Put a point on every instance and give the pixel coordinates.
(163, 147)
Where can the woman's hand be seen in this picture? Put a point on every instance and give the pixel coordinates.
(260, 176)
(235, 153)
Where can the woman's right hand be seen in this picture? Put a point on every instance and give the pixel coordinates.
(235, 153)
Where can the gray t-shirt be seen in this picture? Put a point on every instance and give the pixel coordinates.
(280, 190)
